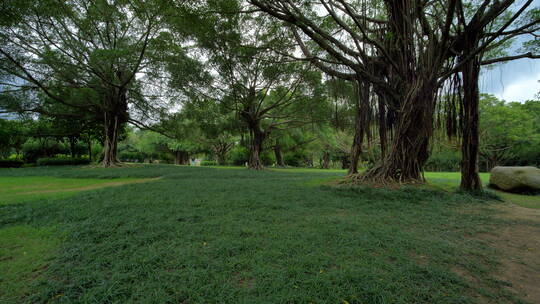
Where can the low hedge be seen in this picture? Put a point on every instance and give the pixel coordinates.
(205, 163)
(11, 163)
(62, 161)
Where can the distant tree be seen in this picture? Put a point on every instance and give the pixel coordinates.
(265, 90)
(13, 134)
(84, 55)
(506, 128)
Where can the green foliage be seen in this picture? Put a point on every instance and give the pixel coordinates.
(447, 159)
(62, 161)
(238, 156)
(42, 147)
(296, 158)
(208, 163)
(13, 133)
(143, 145)
(509, 132)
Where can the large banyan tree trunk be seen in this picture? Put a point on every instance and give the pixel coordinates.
(470, 180)
(181, 158)
(361, 124)
(255, 148)
(221, 149)
(221, 159)
(409, 149)
(110, 144)
(115, 117)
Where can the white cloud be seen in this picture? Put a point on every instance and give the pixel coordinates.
(521, 89)
(513, 81)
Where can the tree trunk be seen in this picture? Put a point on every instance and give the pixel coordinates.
(90, 150)
(255, 149)
(361, 124)
(415, 79)
(279, 156)
(326, 160)
(382, 127)
(181, 158)
(409, 150)
(345, 162)
(221, 159)
(356, 149)
(72, 146)
(110, 146)
(470, 180)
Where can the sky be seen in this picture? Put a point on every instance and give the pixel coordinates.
(517, 80)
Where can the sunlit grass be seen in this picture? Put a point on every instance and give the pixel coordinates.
(21, 189)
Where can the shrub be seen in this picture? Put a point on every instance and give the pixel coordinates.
(131, 156)
(295, 159)
(445, 160)
(11, 163)
(209, 163)
(62, 161)
(33, 149)
(238, 156)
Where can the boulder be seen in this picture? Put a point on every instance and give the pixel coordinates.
(515, 179)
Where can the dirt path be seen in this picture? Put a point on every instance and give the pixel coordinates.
(92, 187)
(519, 245)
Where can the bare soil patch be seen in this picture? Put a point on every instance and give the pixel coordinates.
(518, 245)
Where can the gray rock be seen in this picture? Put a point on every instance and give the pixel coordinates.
(515, 178)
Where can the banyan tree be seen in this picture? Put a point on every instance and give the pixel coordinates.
(404, 54)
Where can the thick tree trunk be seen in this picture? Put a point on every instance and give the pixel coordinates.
(255, 149)
(279, 156)
(181, 158)
(221, 159)
(110, 145)
(470, 180)
(177, 160)
(409, 150)
(345, 162)
(114, 118)
(356, 149)
(416, 81)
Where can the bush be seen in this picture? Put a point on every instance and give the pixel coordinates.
(33, 149)
(11, 163)
(62, 161)
(238, 156)
(445, 160)
(209, 163)
(131, 156)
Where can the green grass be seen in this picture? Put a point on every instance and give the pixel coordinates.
(23, 189)
(24, 253)
(527, 201)
(204, 235)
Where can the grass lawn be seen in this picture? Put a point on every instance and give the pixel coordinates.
(23, 189)
(206, 235)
